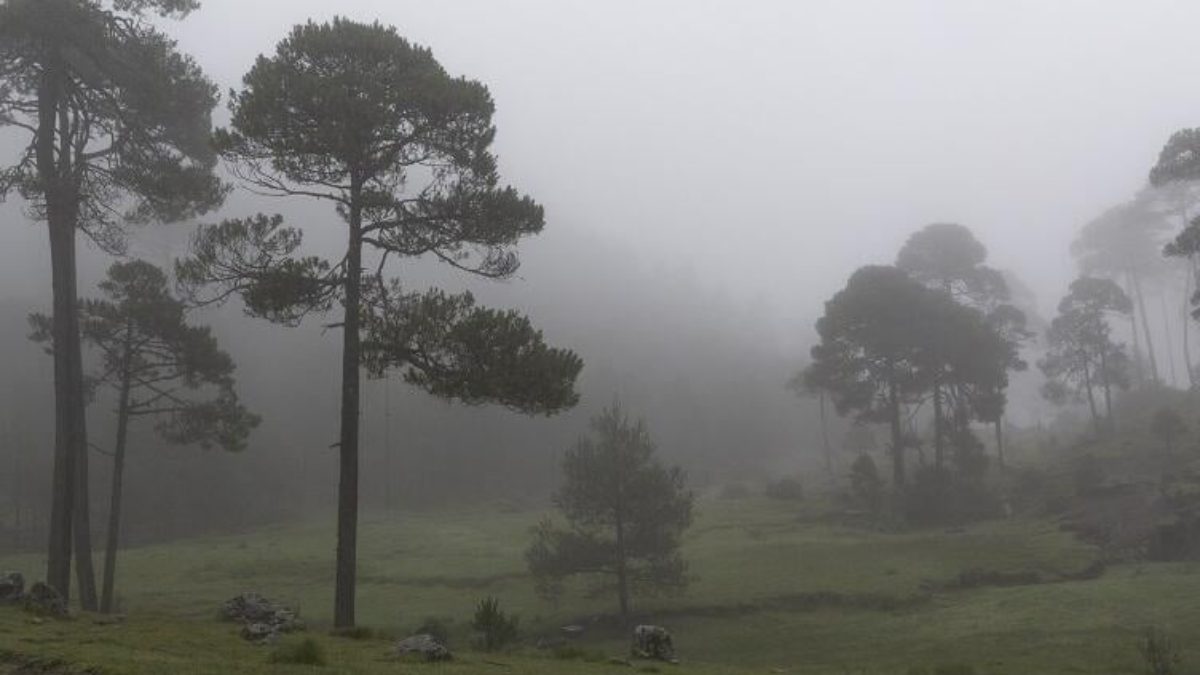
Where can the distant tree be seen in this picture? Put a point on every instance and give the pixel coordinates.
(948, 257)
(802, 385)
(159, 367)
(887, 340)
(1125, 244)
(870, 352)
(1167, 426)
(355, 115)
(117, 125)
(866, 487)
(625, 515)
(1081, 354)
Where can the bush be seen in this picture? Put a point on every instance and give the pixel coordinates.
(305, 652)
(496, 629)
(1088, 475)
(1160, 655)
(787, 489)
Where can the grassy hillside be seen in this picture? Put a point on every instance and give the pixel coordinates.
(776, 589)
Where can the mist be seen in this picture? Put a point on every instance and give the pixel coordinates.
(714, 177)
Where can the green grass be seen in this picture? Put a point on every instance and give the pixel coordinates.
(776, 588)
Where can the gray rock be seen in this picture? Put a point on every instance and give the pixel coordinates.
(12, 587)
(261, 619)
(45, 599)
(260, 633)
(653, 642)
(425, 646)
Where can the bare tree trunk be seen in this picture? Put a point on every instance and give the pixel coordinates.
(1091, 398)
(825, 436)
(347, 518)
(897, 437)
(1107, 389)
(1166, 316)
(1187, 321)
(1141, 311)
(938, 422)
(1000, 441)
(118, 476)
(61, 226)
(622, 568)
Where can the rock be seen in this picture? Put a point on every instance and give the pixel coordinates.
(260, 633)
(425, 646)
(45, 599)
(261, 619)
(12, 587)
(574, 630)
(653, 642)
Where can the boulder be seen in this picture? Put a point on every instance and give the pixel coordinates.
(45, 599)
(653, 642)
(12, 587)
(425, 646)
(261, 619)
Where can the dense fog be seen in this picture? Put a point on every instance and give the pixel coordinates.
(712, 173)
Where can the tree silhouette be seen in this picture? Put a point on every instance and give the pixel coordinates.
(159, 367)
(625, 515)
(117, 125)
(354, 115)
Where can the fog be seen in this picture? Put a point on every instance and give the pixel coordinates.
(712, 172)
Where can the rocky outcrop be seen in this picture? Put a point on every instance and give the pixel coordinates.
(262, 620)
(653, 642)
(12, 587)
(424, 646)
(45, 599)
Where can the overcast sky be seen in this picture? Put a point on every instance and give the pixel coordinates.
(770, 148)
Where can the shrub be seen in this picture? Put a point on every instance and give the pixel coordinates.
(1088, 475)
(787, 489)
(495, 628)
(1160, 655)
(305, 652)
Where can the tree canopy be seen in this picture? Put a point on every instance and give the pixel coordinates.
(625, 515)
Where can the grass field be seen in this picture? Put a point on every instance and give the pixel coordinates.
(776, 590)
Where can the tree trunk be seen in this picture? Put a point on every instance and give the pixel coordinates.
(61, 226)
(1138, 365)
(939, 452)
(1170, 341)
(1104, 381)
(118, 475)
(622, 569)
(1000, 441)
(1187, 320)
(1141, 310)
(897, 437)
(1091, 398)
(347, 519)
(825, 437)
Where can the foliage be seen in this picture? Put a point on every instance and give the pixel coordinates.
(1179, 160)
(496, 630)
(307, 652)
(1160, 655)
(164, 367)
(1081, 354)
(625, 514)
(355, 115)
(948, 257)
